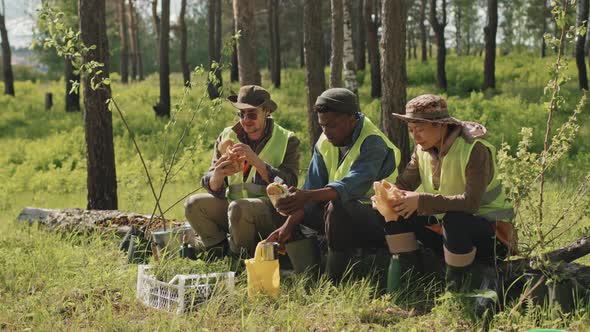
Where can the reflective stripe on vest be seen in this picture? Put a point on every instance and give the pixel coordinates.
(494, 205)
(272, 153)
(330, 154)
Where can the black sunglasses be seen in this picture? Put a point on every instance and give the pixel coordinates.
(250, 115)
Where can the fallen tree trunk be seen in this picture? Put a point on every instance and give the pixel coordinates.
(91, 220)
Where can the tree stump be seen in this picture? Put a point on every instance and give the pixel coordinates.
(48, 101)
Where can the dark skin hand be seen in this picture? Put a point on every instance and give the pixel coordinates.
(297, 198)
(284, 233)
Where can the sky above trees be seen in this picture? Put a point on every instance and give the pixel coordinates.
(20, 20)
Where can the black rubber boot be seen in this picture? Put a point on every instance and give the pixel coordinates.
(475, 277)
(457, 279)
(488, 281)
(336, 264)
(411, 263)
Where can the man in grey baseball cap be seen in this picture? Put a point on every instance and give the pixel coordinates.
(349, 156)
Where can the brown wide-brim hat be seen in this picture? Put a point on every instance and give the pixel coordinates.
(428, 108)
(252, 96)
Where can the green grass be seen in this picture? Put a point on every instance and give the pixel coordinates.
(65, 282)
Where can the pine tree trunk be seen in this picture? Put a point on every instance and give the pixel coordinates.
(414, 47)
(393, 75)
(100, 153)
(489, 72)
(314, 63)
(214, 15)
(186, 73)
(582, 16)
(408, 44)
(543, 30)
(301, 52)
(6, 57)
(275, 42)
(132, 40)
(137, 42)
(124, 42)
(373, 48)
(458, 37)
(430, 45)
(439, 35)
(361, 42)
(337, 45)
(163, 106)
(350, 81)
(72, 97)
(247, 48)
(468, 46)
(423, 34)
(234, 73)
(156, 22)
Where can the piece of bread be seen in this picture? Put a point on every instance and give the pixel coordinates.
(275, 191)
(385, 194)
(225, 145)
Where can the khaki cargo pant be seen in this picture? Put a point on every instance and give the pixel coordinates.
(246, 220)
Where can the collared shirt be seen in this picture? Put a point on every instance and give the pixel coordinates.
(478, 174)
(287, 171)
(376, 161)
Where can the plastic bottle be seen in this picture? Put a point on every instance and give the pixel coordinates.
(394, 274)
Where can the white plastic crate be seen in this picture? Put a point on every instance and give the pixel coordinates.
(183, 293)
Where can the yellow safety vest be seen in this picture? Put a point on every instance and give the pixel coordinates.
(330, 154)
(494, 204)
(273, 153)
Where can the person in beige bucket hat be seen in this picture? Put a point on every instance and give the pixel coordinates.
(452, 198)
(247, 157)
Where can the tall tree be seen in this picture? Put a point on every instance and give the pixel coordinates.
(132, 40)
(489, 70)
(314, 64)
(214, 16)
(423, 34)
(156, 20)
(393, 75)
(275, 42)
(247, 56)
(581, 18)
(359, 31)
(234, 72)
(348, 52)
(186, 72)
(100, 152)
(163, 106)
(136, 58)
(337, 45)
(6, 56)
(439, 35)
(72, 96)
(124, 41)
(373, 48)
(458, 37)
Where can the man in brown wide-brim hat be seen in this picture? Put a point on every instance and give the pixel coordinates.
(247, 157)
(460, 202)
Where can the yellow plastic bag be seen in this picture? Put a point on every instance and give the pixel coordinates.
(263, 275)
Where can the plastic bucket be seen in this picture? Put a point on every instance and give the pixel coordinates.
(171, 239)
